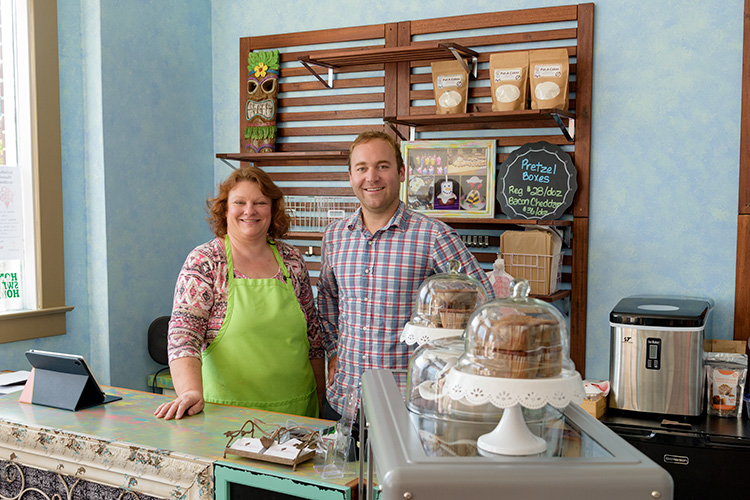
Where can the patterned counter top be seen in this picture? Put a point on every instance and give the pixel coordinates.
(122, 444)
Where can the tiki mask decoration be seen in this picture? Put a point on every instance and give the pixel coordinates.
(260, 109)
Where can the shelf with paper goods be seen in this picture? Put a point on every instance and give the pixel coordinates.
(563, 119)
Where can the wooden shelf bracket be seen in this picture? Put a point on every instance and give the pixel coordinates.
(412, 134)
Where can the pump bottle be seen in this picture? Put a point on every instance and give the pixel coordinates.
(499, 279)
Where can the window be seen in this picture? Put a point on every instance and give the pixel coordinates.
(17, 268)
(32, 289)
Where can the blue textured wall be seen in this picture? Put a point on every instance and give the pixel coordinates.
(156, 90)
(137, 168)
(665, 158)
(149, 93)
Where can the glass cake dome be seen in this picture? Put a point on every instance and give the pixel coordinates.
(443, 305)
(518, 338)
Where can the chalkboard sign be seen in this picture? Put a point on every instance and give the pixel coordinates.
(537, 181)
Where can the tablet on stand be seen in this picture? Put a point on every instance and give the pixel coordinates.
(64, 381)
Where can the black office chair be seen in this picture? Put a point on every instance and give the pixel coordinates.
(157, 345)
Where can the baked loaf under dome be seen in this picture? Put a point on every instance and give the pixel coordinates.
(518, 337)
(443, 306)
(446, 300)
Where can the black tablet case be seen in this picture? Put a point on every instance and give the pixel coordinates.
(64, 382)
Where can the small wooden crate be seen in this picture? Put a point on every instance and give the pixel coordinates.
(596, 407)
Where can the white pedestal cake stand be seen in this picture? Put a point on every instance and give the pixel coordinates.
(415, 334)
(512, 436)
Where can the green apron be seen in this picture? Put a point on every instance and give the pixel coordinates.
(259, 358)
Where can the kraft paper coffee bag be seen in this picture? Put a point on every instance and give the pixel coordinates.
(548, 77)
(509, 80)
(450, 82)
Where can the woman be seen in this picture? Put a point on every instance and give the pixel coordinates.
(244, 330)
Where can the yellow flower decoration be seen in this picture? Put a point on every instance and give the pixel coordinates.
(260, 70)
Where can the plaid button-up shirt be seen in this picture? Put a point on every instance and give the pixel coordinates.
(367, 288)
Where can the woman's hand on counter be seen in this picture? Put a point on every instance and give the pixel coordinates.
(186, 376)
(188, 403)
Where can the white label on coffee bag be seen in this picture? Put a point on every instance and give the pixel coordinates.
(449, 99)
(547, 71)
(507, 93)
(450, 81)
(507, 74)
(546, 90)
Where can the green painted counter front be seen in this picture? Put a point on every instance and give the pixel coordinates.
(286, 486)
(123, 444)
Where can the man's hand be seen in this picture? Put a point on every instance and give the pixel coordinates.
(332, 368)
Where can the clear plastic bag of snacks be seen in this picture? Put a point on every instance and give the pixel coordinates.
(726, 374)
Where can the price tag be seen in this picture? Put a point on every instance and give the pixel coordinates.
(537, 181)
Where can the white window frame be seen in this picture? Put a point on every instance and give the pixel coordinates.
(48, 318)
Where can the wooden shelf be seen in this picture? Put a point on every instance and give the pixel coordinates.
(298, 235)
(560, 294)
(357, 57)
(363, 57)
(285, 157)
(456, 222)
(451, 221)
(468, 118)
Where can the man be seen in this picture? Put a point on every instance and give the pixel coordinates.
(372, 266)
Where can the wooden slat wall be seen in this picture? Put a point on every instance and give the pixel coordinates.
(397, 88)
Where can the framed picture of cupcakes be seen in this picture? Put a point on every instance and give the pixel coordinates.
(450, 178)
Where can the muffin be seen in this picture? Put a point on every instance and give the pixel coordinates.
(446, 300)
(551, 362)
(427, 315)
(549, 332)
(454, 318)
(515, 332)
(455, 298)
(511, 364)
(518, 337)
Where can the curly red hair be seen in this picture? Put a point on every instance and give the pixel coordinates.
(217, 206)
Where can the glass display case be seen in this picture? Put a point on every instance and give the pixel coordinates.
(415, 456)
